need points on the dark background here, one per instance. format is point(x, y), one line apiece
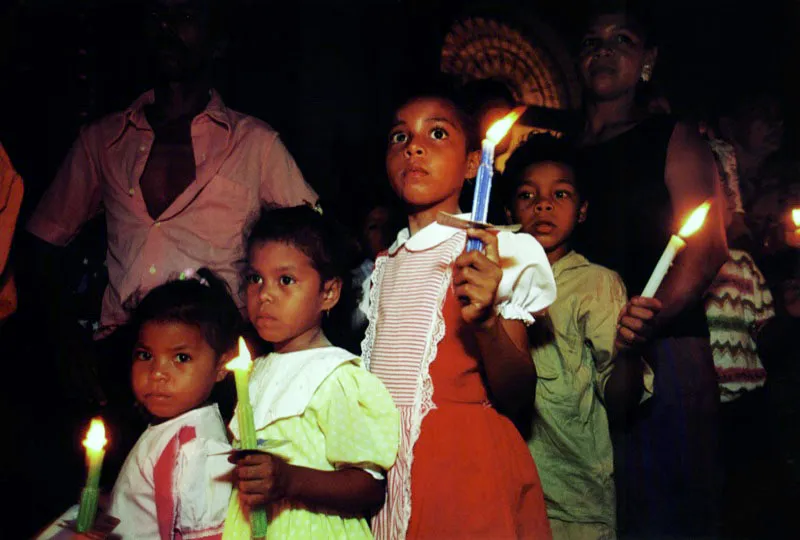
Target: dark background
point(321, 74)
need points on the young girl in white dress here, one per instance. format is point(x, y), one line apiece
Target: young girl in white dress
point(176, 482)
point(337, 423)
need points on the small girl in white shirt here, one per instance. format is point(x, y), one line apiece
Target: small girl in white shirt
point(176, 483)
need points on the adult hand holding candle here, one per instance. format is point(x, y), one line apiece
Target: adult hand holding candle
point(675, 246)
point(95, 443)
point(483, 183)
point(241, 367)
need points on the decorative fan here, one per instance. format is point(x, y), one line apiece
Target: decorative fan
point(481, 48)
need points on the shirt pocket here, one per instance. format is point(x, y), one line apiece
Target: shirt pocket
point(219, 213)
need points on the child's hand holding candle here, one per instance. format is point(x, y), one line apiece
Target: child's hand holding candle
point(675, 246)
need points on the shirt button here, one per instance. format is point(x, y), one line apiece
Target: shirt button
point(142, 148)
point(153, 269)
point(158, 224)
point(131, 192)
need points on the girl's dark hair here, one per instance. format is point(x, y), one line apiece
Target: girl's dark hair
point(446, 88)
point(324, 241)
point(537, 149)
point(202, 300)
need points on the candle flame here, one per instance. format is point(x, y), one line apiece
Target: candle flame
point(796, 216)
point(243, 361)
point(498, 130)
point(96, 436)
point(695, 221)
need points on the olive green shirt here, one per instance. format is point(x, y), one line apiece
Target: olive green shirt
point(573, 349)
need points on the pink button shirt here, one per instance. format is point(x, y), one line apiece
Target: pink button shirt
point(240, 162)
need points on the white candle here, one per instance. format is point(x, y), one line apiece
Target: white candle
point(675, 246)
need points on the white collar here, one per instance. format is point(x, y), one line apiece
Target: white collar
point(282, 385)
point(193, 414)
point(430, 236)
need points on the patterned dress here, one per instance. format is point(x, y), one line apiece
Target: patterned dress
point(326, 412)
point(463, 470)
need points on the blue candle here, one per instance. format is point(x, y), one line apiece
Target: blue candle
point(483, 183)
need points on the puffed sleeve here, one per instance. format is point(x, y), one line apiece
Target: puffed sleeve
point(527, 285)
point(358, 418)
point(203, 483)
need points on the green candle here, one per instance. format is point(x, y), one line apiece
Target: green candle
point(241, 366)
point(95, 443)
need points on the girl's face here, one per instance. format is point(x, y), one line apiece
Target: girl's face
point(174, 368)
point(427, 159)
point(285, 295)
point(612, 56)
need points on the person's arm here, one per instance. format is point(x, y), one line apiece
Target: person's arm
point(691, 178)
point(71, 200)
point(503, 343)
point(264, 478)
point(510, 373)
point(626, 385)
point(282, 183)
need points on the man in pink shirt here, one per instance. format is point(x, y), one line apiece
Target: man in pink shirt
point(179, 176)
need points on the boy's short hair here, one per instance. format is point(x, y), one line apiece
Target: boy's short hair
point(538, 149)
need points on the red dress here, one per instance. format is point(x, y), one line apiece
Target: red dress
point(463, 470)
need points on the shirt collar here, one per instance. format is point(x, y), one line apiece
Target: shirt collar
point(569, 261)
point(426, 238)
point(134, 114)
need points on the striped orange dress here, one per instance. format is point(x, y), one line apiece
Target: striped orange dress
point(463, 471)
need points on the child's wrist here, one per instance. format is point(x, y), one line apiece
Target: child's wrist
point(290, 488)
point(488, 325)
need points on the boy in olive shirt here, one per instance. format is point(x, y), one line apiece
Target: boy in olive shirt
point(583, 348)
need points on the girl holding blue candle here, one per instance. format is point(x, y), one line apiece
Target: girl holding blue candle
point(334, 424)
point(447, 335)
point(176, 479)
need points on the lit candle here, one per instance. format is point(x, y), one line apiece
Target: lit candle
point(675, 246)
point(95, 443)
point(793, 235)
point(483, 183)
point(241, 366)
